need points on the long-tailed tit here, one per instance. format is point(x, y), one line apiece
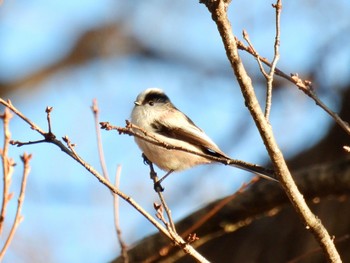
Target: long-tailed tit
point(155, 114)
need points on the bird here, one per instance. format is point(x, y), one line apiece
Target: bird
point(157, 116)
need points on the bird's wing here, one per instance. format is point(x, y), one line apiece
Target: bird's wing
point(178, 126)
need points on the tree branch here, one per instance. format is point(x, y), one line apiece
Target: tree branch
point(7, 164)
point(133, 130)
point(278, 7)
point(303, 85)
point(69, 150)
point(218, 10)
point(18, 218)
point(123, 246)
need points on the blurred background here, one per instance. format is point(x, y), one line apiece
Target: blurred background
point(66, 53)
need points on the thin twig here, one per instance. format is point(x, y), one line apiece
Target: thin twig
point(187, 248)
point(278, 7)
point(167, 211)
point(189, 233)
point(96, 111)
point(48, 117)
point(218, 207)
point(268, 76)
point(159, 189)
point(304, 85)
point(32, 125)
point(7, 164)
point(256, 54)
point(160, 215)
point(123, 246)
point(302, 258)
point(18, 218)
point(169, 232)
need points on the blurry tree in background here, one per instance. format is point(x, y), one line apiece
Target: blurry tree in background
point(257, 225)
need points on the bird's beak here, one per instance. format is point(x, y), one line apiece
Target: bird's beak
point(137, 103)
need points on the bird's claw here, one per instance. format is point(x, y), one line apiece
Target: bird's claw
point(145, 159)
point(158, 187)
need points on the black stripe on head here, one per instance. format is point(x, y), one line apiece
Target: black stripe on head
point(156, 96)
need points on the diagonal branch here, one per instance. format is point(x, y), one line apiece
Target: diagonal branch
point(49, 137)
point(304, 85)
point(133, 130)
point(218, 10)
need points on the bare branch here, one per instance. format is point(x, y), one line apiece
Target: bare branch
point(278, 7)
point(268, 76)
point(304, 85)
point(218, 10)
point(168, 212)
point(190, 234)
point(133, 130)
point(123, 246)
point(159, 189)
point(32, 125)
point(256, 54)
point(18, 218)
point(48, 117)
point(96, 111)
point(51, 138)
point(218, 207)
point(7, 165)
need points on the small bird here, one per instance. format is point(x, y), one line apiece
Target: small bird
point(155, 114)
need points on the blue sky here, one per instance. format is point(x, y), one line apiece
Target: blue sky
point(68, 215)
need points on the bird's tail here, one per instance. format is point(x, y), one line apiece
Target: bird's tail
point(255, 169)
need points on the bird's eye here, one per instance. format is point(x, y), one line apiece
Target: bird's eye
point(151, 103)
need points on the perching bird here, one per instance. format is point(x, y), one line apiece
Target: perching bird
point(155, 114)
